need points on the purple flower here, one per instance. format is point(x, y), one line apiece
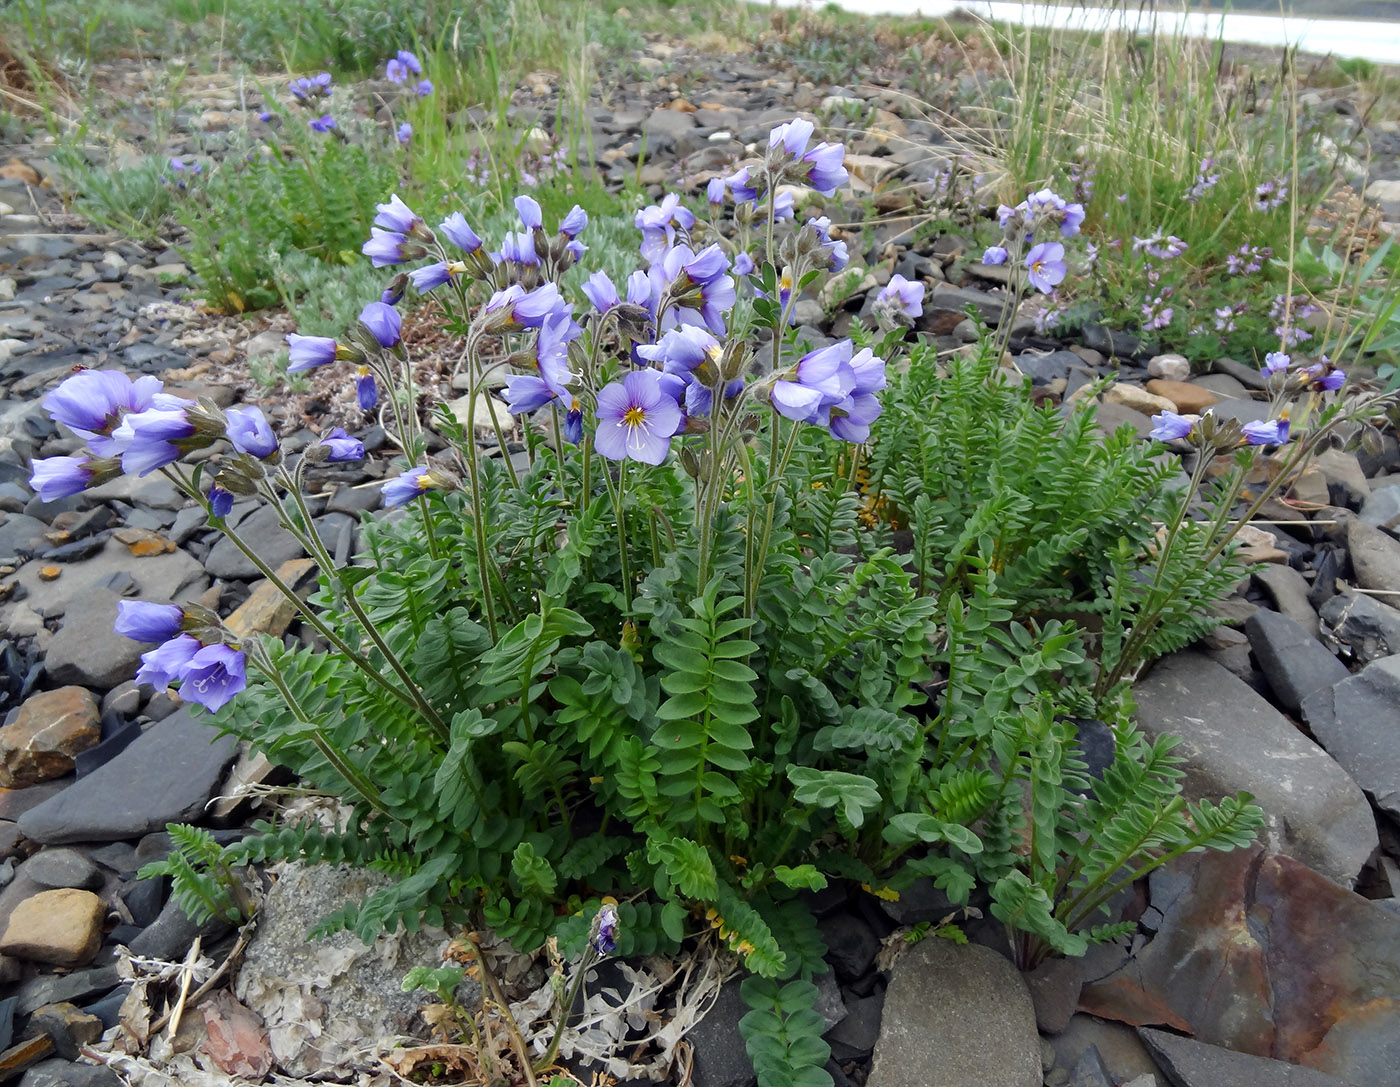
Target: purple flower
point(1045, 266)
point(405, 132)
point(395, 216)
point(793, 135)
point(406, 487)
point(162, 666)
point(1170, 426)
point(92, 403)
point(250, 432)
point(636, 419)
point(827, 171)
point(366, 391)
point(835, 254)
point(394, 71)
point(907, 295)
point(850, 417)
point(459, 234)
point(744, 265)
point(1073, 219)
point(142, 621)
point(601, 292)
point(386, 247)
point(528, 208)
point(323, 123)
point(1272, 432)
point(738, 183)
point(658, 226)
point(409, 61)
point(213, 676)
point(383, 322)
point(784, 204)
point(310, 86)
point(423, 88)
point(220, 502)
point(1276, 362)
point(59, 477)
point(704, 286)
point(527, 309)
point(525, 393)
point(307, 352)
point(682, 350)
point(264, 116)
point(150, 437)
point(820, 379)
point(606, 940)
point(518, 247)
point(714, 191)
point(431, 276)
point(342, 447)
point(1322, 378)
point(573, 224)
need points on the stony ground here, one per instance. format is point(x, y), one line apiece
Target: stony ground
point(1276, 965)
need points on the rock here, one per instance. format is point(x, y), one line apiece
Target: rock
point(1292, 660)
point(58, 868)
point(1137, 398)
point(236, 1038)
point(267, 611)
point(1169, 367)
point(1249, 376)
point(851, 946)
point(87, 650)
point(63, 928)
point(1189, 1063)
point(1259, 954)
point(51, 729)
point(166, 776)
point(1190, 399)
point(76, 987)
point(264, 535)
point(61, 1073)
point(1289, 591)
point(69, 1028)
point(956, 1016)
point(1233, 740)
point(1344, 475)
point(170, 935)
point(1361, 626)
point(1054, 987)
point(1089, 1071)
point(854, 1038)
point(1116, 1049)
point(1382, 508)
point(1375, 557)
point(321, 999)
point(720, 1057)
point(947, 305)
point(829, 1004)
point(1047, 366)
point(1356, 721)
point(162, 578)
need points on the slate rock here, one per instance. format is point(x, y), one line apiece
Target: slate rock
point(68, 1026)
point(321, 999)
point(956, 1016)
point(851, 945)
point(1357, 721)
point(1294, 662)
point(1189, 1063)
point(1054, 987)
point(1381, 508)
point(720, 1057)
point(1118, 1049)
point(1089, 1071)
point(1361, 626)
point(1375, 557)
point(62, 928)
point(61, 1073)
point(165, 776)
point(57, 868)
point(51, 729)
point(1046, 366)
point(21, 536)
point(86, 650)
point(1233, 740)
point(854, 1038)
point(1261, 955)
point(78, 986)
point(1289, 591)
point(169, 937)
point(268, 540)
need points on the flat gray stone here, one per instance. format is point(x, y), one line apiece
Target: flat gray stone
point(1294, 662)
point(63, 868)
point(1357, 721)
point(1289, 591)
point(1233, 740)
point(1360, 626)
point(1382, 508)
point(1189, 1063)
point(173, 576)
point(268, 539)
point(956, 1016)
point(86, 650)
point(166, 776)
point(1375, 557)
point(720, 1057)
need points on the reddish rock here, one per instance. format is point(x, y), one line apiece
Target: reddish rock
point(51, 728)
point(237, 1040)
point(1259, 954)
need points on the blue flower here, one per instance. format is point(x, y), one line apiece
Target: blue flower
point(459, 234)
point(573, 224)
point(431, 276)
point(738, 183)
point(142, 621)
point(423, 88)
point(220, 502)
point(1276, 362)
point(396, 216)
point(1271, 432)
point(213, 676)
point(343, 448)
point(410, 62)
point(162, 666)
point(658, 226)
point(307, 352)
point(408, 486)
point(820, 379)
point(1045, 266)
point(995, 254)
point(387, 247)
point(250, 432)
point(405, 132)
point(907, 295)
point(601, 292)
point(714, 191)
point(395, 72)
point(1171, 427)
point(92, 403)
point(150, 436)
point(366, 391)
point(59, 477)
point(323, 123)
point(383, 323)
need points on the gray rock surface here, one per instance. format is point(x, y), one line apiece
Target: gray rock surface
point(956, 1016)
point(1189, 1063)
point(63, 868)
point(1360, 625)
point(268, 539)
point(86, 650)
point(1294, 662)
point(1289, 591)
point(1375, 556)
point(720, 1057)
point(1233, 740)
point(329, 1003)
point(166, 776)
point(1358, 722)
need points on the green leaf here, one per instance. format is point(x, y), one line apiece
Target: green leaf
point(854, 793)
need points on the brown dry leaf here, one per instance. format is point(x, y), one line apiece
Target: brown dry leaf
point(458, 1061)
point(135, 1017)
point(237, 1041)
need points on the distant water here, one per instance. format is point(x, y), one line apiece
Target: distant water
point(1371, 40)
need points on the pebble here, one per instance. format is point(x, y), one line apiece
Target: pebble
point(59, 927)
point(52, 727)
point(1137, 399)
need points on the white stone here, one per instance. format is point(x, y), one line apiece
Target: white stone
point(1169, 367)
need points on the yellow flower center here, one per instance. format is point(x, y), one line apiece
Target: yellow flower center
point(634, 417)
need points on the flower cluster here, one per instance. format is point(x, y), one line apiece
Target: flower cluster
point(1205, 181)
point(1270, 195)
point(1040, 212)
point(191, 652)
point(1248, 259)
point(1207, 432)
